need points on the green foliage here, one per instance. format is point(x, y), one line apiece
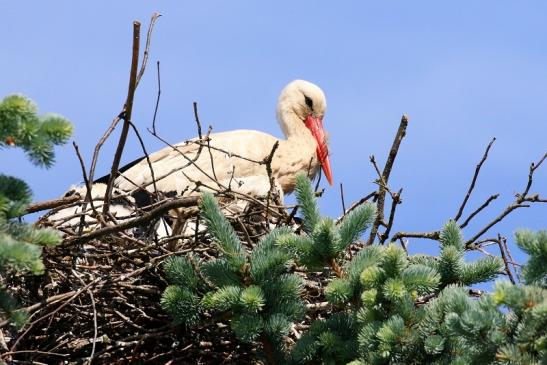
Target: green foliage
point(451, 263)
point(355, 224)
point(222, 231)
point(21, 244)
point(325, 241)
point(256, 291)
point(535, 245)
point(383, 286)
point(21, 126)
point(331, 340)
point(386, 307)
point(182, 304)
point(180, 272)
point(307, 202)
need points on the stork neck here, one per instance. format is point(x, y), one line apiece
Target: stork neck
point(292, 125)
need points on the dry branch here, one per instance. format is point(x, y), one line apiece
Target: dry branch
point(53, 203)
point(518, 203)
point(145, 218)
point(474, 180)
point(381, 195)
point(127, 113)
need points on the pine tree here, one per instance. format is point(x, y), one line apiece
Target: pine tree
point(258, 290)
point(535, 245)
point(387, 307)
point(21, 244)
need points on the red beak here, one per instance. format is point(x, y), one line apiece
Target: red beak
point(315, 125)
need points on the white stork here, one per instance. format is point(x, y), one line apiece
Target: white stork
point(232, 156)
point(231, 159)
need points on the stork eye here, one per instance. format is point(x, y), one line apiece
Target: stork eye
point(309, 102)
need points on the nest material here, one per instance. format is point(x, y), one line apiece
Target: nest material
point(101, 300)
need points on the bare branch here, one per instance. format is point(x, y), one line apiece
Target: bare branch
point(396, 200)
point(356, 204)
point(157, 99)
point(196, 117)
point(401, 132)
point(518, 203)
point(435, 235)
point(128, 109)
point(342, 199)
point(506, 248)
point(146, 155)
point(504, 258)
point(147, 217)
point(88, 196)
point(479, 209)
point(474, 180)
point(50, 204)
point(268, 163)
point(153, 20)
point(533, 168)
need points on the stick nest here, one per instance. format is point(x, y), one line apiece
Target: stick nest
point(100, 300)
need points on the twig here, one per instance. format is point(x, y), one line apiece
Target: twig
point(401, 132)
point(504, 258)
point(506, 248)
point(498, 219)
point(404, 245)
point(356, 204)
point(172, 204)
point(153, 20)
point(336, 268)
point(196, 117)
point(49, 353)
point(90, 360)
point(128, 109)
point(533, 168)
point(518, 203)
point(147, 156)
point(231, 154)
point(268, 163)
point(88, 196)
point(101, 142)
point(396, 200)
point(479, 209)
point(190, 161)
point(210, 153)
point(380, 180)
point(318, 179)
point(486, 242)
point(157, 99)
point(50, 204)
point(429, 235)
point(291, 215)
point(342, 199)
point(474, 180)
point(120, 116)
point(74, 296)
point(44, 303)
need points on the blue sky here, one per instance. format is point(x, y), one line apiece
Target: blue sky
point(464, 73)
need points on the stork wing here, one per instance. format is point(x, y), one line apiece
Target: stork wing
point(230, 156)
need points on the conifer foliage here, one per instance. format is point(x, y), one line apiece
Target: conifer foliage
point(20, 243)
point(386, 306)
point(258, 290)
point(21, 126)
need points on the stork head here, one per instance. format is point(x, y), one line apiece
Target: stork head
point(300, 111)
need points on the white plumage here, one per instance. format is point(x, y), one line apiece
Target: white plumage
point(229, 156)
point(231, 160)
